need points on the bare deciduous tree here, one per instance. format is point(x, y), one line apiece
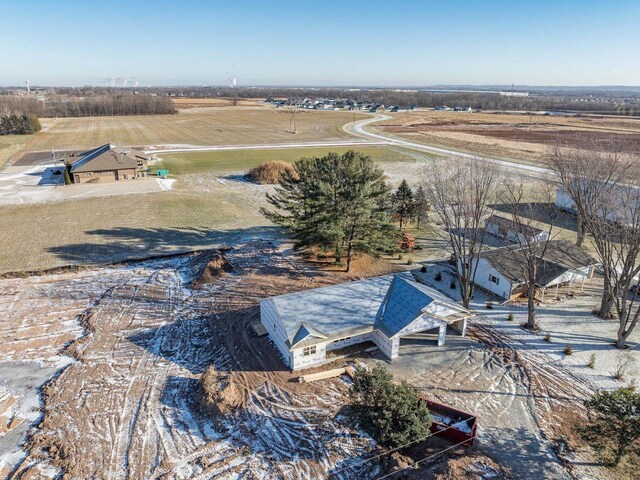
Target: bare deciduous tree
point(524, 206)
point(460, 194)
point(587, 177)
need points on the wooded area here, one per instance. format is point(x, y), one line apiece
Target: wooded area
point(100, 105)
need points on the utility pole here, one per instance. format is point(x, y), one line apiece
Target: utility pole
point(292, 120)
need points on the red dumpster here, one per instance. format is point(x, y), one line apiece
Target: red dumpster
point(453, 424)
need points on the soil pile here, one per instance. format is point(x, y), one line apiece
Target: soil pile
point(268, 173)
point(219, 395)
point(214, 268)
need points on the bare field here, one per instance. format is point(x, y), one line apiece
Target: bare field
point(509, 136)
point(197, 126)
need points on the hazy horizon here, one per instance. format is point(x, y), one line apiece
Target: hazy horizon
point(356, 44)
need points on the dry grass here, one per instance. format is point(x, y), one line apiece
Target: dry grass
point(269, 173)
point(510, 136)
point(197, 126)
point(10, 145)
point(185, 103)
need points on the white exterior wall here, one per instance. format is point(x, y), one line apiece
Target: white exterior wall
point(388, 346)
point(300, 361)
point(271, 321)
point(345, 342)
point(502, 289)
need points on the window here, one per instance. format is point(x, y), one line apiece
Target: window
point(493, 279)
point(306, 351)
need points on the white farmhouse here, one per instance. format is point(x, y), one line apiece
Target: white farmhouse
point(500, 272)
point(305, 325)
point(505, 230)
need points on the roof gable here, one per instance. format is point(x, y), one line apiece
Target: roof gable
point(305, 333)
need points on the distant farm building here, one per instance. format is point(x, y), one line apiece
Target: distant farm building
point(107, 164)
point(505, 230)
point(306, 325)
point(563, 263)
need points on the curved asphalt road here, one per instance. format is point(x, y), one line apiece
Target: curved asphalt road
point(358, 129)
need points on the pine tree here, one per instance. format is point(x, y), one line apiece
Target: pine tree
point(67, 175)
point(337, 203)
point(403, 202)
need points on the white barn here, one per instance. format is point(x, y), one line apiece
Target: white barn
point(305, 325)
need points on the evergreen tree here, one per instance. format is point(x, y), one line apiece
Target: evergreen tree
point(421, 205)
point(392, 413)
point(67, 174)
point(614, 423)
point(336, 202)
point(403, 202)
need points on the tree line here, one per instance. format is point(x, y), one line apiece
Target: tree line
point(13, 124)
point(100, 105)
point(621, 104)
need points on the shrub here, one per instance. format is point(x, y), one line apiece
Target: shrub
point(452, 285)
point(613, 428)
point(409, 261)
point(568, 350)
point(438, 276)
point(423, 269)
point(400, 256)
point(392, 413)
point(510, 317)
point(547, 338)
point(268, 173)
point(592, 361)
point(489, 305)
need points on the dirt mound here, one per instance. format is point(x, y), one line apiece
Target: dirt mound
point(215, 267)
point(270, 172)
point(219, 395)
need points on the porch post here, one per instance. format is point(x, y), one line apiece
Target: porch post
point(442, 333)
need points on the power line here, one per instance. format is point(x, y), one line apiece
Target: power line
point(433, 455)
point(362, 462)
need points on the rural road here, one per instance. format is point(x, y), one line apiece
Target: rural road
point(358, 129)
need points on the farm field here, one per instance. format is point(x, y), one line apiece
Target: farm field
point(516, 137)
point(197, 126)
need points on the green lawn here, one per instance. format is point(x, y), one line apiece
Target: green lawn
point(221, 162)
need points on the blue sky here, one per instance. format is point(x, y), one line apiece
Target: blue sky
point(305, 42)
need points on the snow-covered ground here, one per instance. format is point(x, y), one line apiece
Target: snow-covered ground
point(566, 321)
point(39, 184)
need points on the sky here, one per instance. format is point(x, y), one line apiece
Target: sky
point(320, 43)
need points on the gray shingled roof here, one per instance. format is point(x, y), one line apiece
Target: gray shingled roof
point(388, 303)
point(106, 157)
point(560, 256)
